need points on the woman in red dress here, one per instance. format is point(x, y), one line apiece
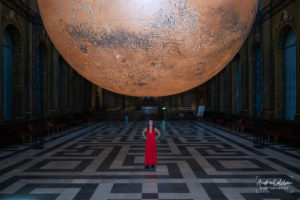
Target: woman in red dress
point(150, 151)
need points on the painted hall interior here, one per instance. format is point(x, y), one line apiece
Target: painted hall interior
point(263, 78)
point(64, 138)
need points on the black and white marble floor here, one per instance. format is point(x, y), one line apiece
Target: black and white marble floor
point(105, 161)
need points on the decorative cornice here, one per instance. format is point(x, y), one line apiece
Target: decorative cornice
point(22, 9)
point(285, 18)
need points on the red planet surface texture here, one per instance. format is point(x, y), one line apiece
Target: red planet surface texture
point(148, 47)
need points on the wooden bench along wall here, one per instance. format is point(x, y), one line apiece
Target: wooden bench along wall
point(22, 131)
point(273, 130)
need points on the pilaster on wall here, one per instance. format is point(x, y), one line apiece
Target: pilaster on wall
point(251, 96)
point(218, 93)
point(268, 63)
point(1, 109)
point(30, 77)
point(245, 77)
point(251, 77)
point(298, 60)
point(94, 97)
point(228, 89)
point(234, 84)
point(55, 76)
point(179, 100)
point(213, 97)
point(119, 100)
point(100, 96)
point(222, 88)
point(204, 98)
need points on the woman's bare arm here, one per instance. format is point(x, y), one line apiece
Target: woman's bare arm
point(143, 133)
point(158, 132)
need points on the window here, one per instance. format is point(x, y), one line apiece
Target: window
point(13, 99)
point(290, 75)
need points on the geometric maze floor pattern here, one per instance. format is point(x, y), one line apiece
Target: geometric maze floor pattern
point(105, 161)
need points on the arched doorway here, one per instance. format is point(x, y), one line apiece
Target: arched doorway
point(12, 74)
point(290, 74)
point(285, 74)
point(7, 63)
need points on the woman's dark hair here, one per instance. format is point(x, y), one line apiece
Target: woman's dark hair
point(152, 124)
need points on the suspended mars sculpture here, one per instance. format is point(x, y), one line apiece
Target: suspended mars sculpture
point(148, 47)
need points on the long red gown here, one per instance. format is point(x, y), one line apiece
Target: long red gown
point(150, 151)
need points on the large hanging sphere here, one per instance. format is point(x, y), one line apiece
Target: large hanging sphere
point(148, 47)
